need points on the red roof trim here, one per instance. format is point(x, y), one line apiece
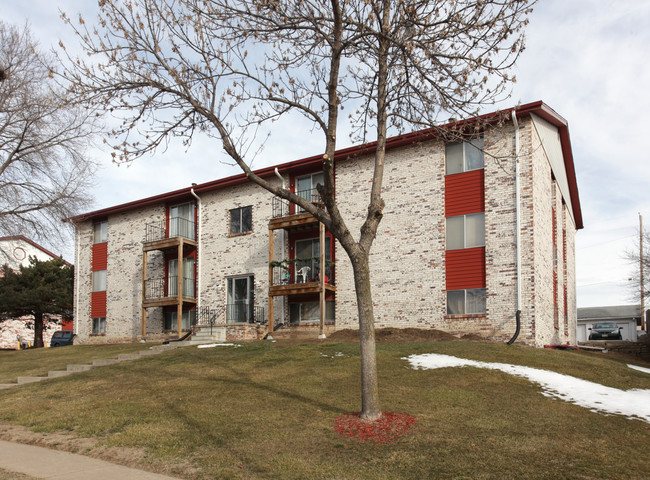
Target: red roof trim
point(314, 162)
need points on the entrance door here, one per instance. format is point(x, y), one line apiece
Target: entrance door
point(239, 308)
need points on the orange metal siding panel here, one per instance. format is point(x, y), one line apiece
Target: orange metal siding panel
point(465, 268)
point(98, 304)
point(100, 256)
point(464, 193)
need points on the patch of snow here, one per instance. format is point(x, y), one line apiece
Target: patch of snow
point(337, 354)
point(640, 369)
point(212, 345)
point(598, 398)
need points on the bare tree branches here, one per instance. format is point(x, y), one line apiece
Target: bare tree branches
point(44, 174)
point(226, 67)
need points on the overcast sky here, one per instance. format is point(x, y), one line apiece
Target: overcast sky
point(587, 59)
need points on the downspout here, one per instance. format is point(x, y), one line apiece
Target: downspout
point(282, 238)
point(75, 314)
point(517, 231)
point(198, 283)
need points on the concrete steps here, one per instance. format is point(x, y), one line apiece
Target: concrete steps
point(76, 368)
point(206, 335)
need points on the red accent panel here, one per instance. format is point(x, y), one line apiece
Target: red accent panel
point(464, 193)
point(98, 304)
point(100, 256)
point(465, 268)
point(66, 324)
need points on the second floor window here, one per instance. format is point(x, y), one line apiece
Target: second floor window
point(464, 156)
point(100, 232)
point(99, 281)
point(241, 220)
point(466, 231)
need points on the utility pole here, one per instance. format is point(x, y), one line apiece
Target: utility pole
point(643, 321)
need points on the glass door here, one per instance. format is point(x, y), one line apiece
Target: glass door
point(239, 307)
point(181, 221)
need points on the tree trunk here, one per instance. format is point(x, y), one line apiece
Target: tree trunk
point(370, 409)
point(38, 329)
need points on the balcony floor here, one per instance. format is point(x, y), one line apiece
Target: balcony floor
point(298, 289)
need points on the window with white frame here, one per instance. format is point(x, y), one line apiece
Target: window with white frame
point(306, 186)
point(464, 156)
point(240, 299)
point(241, 220)
point(181, 221)
point(466, 302)
point(99, 281)
point(100, 232)
point(188, 277)
point(188, 319)
point(99, 325)
point(466, 231)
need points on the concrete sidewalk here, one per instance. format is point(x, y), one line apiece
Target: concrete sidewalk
point(42, 462)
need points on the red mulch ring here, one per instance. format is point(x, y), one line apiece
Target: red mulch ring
point(385, 430)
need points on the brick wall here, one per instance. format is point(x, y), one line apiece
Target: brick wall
point(407, 260)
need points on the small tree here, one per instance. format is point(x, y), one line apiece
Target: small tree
point(229, 67)
point(39, 289)
point(44, 173)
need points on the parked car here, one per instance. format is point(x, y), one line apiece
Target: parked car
point(605, 331)
point(62, 338)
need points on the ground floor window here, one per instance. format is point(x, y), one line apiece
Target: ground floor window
point(99, 325)
point(309, 312)
point(189, 317)
point(465, 302)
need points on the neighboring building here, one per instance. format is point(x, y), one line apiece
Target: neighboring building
point(445, 256)
point(15, 251)
point(628, 317)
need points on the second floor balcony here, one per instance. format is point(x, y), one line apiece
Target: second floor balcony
point(164, 291)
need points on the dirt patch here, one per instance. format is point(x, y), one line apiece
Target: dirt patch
point(399, 335)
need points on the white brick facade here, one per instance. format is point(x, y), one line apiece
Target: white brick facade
point(407, 261)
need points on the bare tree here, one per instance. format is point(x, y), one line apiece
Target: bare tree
point(44, 175)
point(639, 262)
point(228, 67)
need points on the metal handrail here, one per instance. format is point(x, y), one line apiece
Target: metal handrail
point(282, 207)
point(301, 272)
point(164, 287)
point(178, 227)
point(245, 313)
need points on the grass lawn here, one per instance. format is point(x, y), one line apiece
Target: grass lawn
point(258, 411)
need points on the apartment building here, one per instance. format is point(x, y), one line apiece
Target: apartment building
point(478, 236)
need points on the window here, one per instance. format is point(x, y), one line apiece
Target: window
point(188, 277)
point(466, 231)
point(309, 312)
point(181, 221)
point(99, 281)
point(464, 156)
point(240, 300)
point(100, 232)
point(189, 319)
point(308, 260)
point(99, 325)
point(241, 220)
point(464, 302)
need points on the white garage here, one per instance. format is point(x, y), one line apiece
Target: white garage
point(628, 317)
